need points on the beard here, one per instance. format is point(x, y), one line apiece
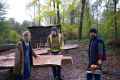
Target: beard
point(92, 36)
point(26, 39)
point(54, 35)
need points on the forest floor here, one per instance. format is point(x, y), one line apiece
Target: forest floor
point(76, 71)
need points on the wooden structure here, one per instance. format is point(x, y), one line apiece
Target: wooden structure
point(41, 60)
point(39, 35)
point(39, 38)
point(7, 61)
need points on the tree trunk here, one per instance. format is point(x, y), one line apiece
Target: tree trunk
point(72, 17)
point(55, 10)
point(81, 19)
point(115, 20)
point(58, 17)
point(58, 14)
point(39, 11)
point(34, 16)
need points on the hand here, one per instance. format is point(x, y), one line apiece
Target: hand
point(61, 52)
point(93, 66)
point(49, 52)
point(35, 56)
point(99, 62)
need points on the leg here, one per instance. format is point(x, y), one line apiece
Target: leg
point(18, 77)
point(27, 72)
point(58, 72)
point(89, 76)
point(54, 71)
point(97, 76)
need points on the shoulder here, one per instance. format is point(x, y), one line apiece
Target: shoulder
point(60, 35)
point(49, 36)
point(100, 40)
point(19, 44)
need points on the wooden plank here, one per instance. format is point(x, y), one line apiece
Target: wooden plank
point(48, 60)
point(70, 46)
point(41, 51)
point(42, 60)
point(67, 60)
point(7, 63)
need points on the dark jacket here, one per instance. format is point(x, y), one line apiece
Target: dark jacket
point(19, 57)
point(96, 50)
point(30, 50)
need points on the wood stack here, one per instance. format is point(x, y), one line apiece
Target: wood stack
point(41, 60)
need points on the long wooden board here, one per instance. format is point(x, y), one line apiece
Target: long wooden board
point(48, 60)
point(7, 61)
point(41, 60)
point(41, 51)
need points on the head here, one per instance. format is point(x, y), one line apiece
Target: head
point(93, 33)
point(54, 31)
point(26, 36)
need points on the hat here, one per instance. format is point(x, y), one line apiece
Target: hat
point(93, 30)
point(54, 29)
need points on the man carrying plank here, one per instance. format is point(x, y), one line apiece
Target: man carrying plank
point(56, 43)
point(96, 56)
point(23, 57)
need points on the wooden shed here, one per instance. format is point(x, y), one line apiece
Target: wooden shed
point(39, 35)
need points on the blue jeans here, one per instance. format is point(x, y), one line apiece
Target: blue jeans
point(91, 76)
point(18, 77)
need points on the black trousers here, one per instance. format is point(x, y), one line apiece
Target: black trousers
point(56, 71)
point(91, 76)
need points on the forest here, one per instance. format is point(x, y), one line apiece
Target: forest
point(75, 16)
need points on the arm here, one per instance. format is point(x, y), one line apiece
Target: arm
point(18, 57)
point(49, 44)
point(19, 52)
point(101, 52)
point(33, 53)
point(62, 45)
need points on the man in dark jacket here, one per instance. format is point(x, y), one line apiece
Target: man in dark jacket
point(96, 54)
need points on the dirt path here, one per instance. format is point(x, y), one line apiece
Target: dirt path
point(69, 72)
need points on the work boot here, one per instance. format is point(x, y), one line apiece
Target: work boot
point(60, 79)
point(57, 78)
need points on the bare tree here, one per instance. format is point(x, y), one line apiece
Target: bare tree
point(81, 19)
point(115, 19)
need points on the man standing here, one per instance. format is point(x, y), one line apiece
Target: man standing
point(96, 56)
point(55, 43)
point(23, 57)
